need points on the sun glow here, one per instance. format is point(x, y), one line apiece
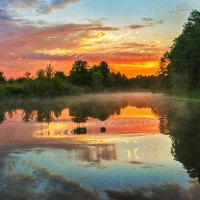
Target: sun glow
point(134, 69)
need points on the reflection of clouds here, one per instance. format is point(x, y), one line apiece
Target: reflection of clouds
point(158, 192)
point(81, 151)
point(95, 154)
point(41, 185)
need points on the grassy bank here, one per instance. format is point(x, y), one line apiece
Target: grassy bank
point(40, 88)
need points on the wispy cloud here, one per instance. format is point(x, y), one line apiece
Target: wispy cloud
point(40, 6)
point(146, 19)
point(152, 22)
point(21, 40)
point(95, 21)
point(147, 22)
point(137, 26)
point(181, 8)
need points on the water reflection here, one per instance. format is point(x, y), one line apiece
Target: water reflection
point(96, 153)
point(184, 126)
point(79, 110)
point(92, 114)
point(105, 142)
point(160, 192)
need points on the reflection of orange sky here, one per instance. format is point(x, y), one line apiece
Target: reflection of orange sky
point(134, 112)
point(132, 120)
point(127, 112)
point(132, 124)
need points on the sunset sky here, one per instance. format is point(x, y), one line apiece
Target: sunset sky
point(130, 35)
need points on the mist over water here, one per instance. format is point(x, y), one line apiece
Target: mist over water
point(103, 146)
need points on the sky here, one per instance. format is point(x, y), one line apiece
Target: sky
point(131, 35)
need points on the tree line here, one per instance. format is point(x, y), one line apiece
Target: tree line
point(49, 82)
point(178, 73)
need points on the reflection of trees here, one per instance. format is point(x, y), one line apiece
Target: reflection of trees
point(27, 115)
point(44, 116)
point(80, 130)
point(178, 119)
point(163, 126)
point(183, 122)
point(100, 107)
point(46, 112)
point(81, 111)
point(160, 110)
point(185, 134)
point(103, 129)
point(2, 116)
point(94, 109)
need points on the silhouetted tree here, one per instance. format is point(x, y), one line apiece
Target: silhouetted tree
point(163, 65)
point(2, 77)
point(49, 72)
point(105, 72)
point(40, 74)
point(27, 75)
point(80, 73)
point(104, 68)
point(61, 75)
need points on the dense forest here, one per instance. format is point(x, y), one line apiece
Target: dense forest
point(178, 73)
point(181, 65)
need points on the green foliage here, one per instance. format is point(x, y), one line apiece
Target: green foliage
point(96, 79)
point(40, 74)
point(80, 73)
point(184, 70)
point(47, 83)
point(109, 81)
point(152, 83)
point(60, 75)
point(2, 77)
point(104, 68)
point(163, 65)
point(121, 80)
point(2, 90)
point(27, 75)
point(53, 87)
point(47, 73)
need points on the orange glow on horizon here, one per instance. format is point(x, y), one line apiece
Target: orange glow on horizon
point(129, 69)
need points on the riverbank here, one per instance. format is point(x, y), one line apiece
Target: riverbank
point(192, 96)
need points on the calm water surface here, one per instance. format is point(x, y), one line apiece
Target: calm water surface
point(106, 146)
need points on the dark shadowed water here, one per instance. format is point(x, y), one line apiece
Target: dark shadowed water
point(107, 146)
